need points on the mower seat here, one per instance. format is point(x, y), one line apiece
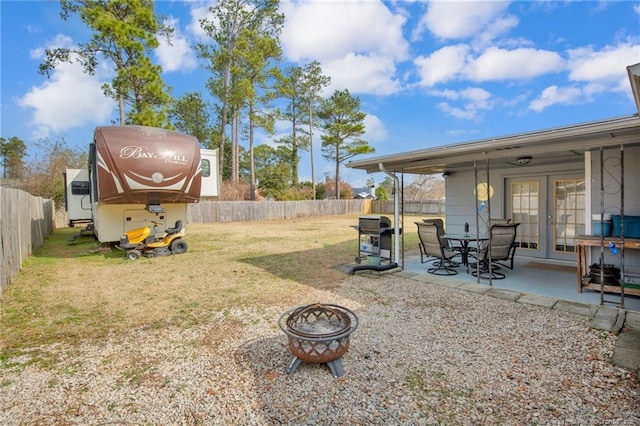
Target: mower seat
point(176, 228)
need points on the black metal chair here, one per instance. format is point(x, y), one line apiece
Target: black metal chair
point(432, 249)
point(498, 251)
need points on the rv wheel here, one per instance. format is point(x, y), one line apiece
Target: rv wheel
point(178, 246)
point(133, 254)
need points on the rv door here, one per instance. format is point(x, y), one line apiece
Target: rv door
point(210, 172)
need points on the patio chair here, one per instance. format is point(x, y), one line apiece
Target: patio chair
point(432, 249)
point(499, 251)
point(444, 241)
point(496, 220)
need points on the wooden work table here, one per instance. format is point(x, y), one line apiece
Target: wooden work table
point(582, 242)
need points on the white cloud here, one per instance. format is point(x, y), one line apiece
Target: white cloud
point(70, 98)
point(608, 64)
point(442, 65)
point(475, 94)
point(176, 55)
point(198, 12)
point(362, 74)
point(59, 41)
point(496, 64)
point(326, 30)
point(374, 129)
point(358, 43)
point(456, 63)
point(598, 72)
point(456, 20)
point(554, 95)
point(474, 100)
point(462, 113)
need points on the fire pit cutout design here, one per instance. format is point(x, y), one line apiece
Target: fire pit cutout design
point(318, 333)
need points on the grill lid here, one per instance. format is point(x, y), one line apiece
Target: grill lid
point(373, 223)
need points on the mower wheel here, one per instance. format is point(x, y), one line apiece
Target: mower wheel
point(179, 246)
point(134, 254)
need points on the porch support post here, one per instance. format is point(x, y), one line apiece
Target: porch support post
point(396, 214)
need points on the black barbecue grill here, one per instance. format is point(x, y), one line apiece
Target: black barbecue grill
point(374, 237)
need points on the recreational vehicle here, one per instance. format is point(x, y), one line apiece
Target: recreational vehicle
point(138, 176)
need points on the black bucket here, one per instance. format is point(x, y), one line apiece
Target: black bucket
point(610, 274)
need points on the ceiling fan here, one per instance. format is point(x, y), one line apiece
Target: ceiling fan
point(521, 161)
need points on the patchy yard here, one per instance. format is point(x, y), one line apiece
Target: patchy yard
point(90, 338)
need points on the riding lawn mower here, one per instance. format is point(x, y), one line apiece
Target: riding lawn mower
point(143, 242)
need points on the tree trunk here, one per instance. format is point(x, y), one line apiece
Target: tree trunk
point(251, 161)
point(337, 175)
point(313, 173)
point(235, 156)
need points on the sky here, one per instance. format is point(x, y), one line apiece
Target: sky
point(426, 73)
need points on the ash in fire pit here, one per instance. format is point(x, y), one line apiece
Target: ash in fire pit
point(318, 333)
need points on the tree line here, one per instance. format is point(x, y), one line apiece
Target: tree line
point(249, 89)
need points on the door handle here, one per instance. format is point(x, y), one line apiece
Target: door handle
point(550, 220)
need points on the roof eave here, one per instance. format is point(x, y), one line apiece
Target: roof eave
point(582, 136)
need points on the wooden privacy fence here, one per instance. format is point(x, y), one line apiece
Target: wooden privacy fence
point(246, 211)
point(419, 208)
point(25, 221)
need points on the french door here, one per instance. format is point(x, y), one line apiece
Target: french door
point(550, 210)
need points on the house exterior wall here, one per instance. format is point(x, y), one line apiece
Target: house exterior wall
point(459, 187)
point(611, 171)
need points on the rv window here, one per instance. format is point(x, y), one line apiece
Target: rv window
point(80, 188)
point(206, 168)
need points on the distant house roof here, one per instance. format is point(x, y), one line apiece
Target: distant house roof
point(363, 194)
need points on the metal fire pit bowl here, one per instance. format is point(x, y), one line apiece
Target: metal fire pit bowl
point(318, 333)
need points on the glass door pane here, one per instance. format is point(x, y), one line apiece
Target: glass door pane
point(525, 210)
point(569, 210)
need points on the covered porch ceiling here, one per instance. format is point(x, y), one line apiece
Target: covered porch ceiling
point(561, 145)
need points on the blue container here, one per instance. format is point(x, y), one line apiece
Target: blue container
point(631, 226)
point(601, 228)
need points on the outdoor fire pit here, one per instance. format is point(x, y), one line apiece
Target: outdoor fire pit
point(318, 333)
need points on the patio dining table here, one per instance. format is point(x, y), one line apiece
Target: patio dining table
point(465, 244)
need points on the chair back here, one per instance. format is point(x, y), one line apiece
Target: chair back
point(502, 237)
point(438, 222)
point(440, 225)
point(430, 239)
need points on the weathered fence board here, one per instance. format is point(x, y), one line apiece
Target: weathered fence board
point(425, 208)
point(25, 221)
point(245, 211)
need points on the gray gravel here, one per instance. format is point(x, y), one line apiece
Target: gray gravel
point(423, 354)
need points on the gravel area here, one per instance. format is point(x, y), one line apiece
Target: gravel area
point(423, 354)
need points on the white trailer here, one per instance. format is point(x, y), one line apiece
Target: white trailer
point(77, 196)
point(210, 187)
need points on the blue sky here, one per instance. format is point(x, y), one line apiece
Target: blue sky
point(426, 73)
